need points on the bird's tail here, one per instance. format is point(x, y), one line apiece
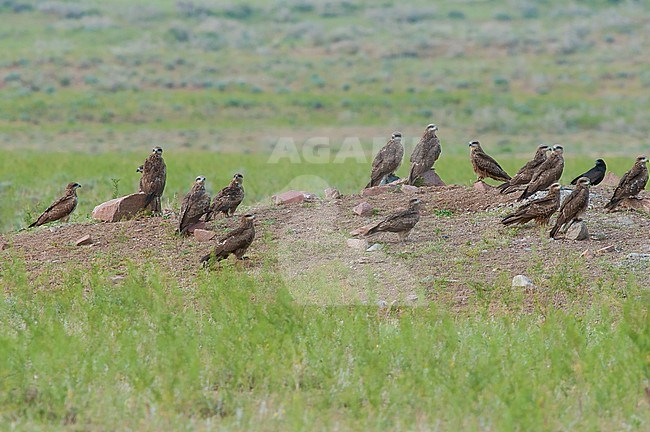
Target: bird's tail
point(147, 201)
point(412, 177)
point(612, 204)
point(555, 229)
point(33, 225)
point(511, 219)
point(525, 194)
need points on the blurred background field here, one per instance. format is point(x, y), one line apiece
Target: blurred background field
point(87, 88)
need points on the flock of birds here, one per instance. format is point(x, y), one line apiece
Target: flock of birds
point(540, 173)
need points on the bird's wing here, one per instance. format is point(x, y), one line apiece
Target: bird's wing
point(59, 209)
point(487, 164)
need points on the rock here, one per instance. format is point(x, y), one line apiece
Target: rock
point(197, 226)
point(204, 235)
point(117, 279)
point(482, 186)
point(638, 256)
point(382, 303)
point(293, 196)
point(119, 209)
point(331, 193)
point(431, 178)
point(409, 188)
point(587, 254)
point(378, 190)
point(610, 179)
point(635, 204)
point(520, 281)
point(375, 247)
point(85, 240)
point(358, 244)
point(606, 249)
point(412, 297)
point(363, 209)
point(577, 231)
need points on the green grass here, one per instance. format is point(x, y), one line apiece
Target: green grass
point(30, 181)
point(235, 352)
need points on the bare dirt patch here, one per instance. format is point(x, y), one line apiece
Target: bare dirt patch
point(457, 253)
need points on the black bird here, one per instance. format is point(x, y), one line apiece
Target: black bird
point(595, 175)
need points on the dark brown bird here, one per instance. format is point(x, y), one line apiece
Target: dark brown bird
point(631, 184)
point(401, 222)
point(595, 175)
point(573, 207)
point(526, 172)
point(61, 208)
point(387, 160)
point(547, 173)
point(540, 209)
point(152, 182)
point(425, 154)
point(228, 198)
point(235, 242)
point(484, 165)
point(195, 204)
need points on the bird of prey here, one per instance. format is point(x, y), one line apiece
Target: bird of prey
point(631, 183)
point(61, 208)
point(547, 173)
point(484, 165)
point(228, 198)
point(154, 176)
point(387, 160)
point(401, 222)
point(595, 175)
point(425, 154)
point(195, 204)
point(540, 209)
point(235, 242)
point(525, 173)
point(573, 206)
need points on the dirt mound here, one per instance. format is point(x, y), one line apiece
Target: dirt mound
point(457, 251)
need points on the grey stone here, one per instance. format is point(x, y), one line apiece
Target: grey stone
point(520, 281)
point(375, 247)
point(85, 240)
point(577, 231)
point(363, 209)
point(358, 244)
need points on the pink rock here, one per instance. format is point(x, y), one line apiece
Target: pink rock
point(377, 190)
point(610, 179)
point(431, 178)
point(203, 235)
point(199, 225)
point(331, 193)
point(635, 204)
point(119, 209)
point(410, 188)
point(482, 186)
point(363, 209)
point(289, 197)
point(85, 240)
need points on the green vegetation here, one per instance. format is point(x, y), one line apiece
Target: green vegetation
point(87, 88)
point(236, 352)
